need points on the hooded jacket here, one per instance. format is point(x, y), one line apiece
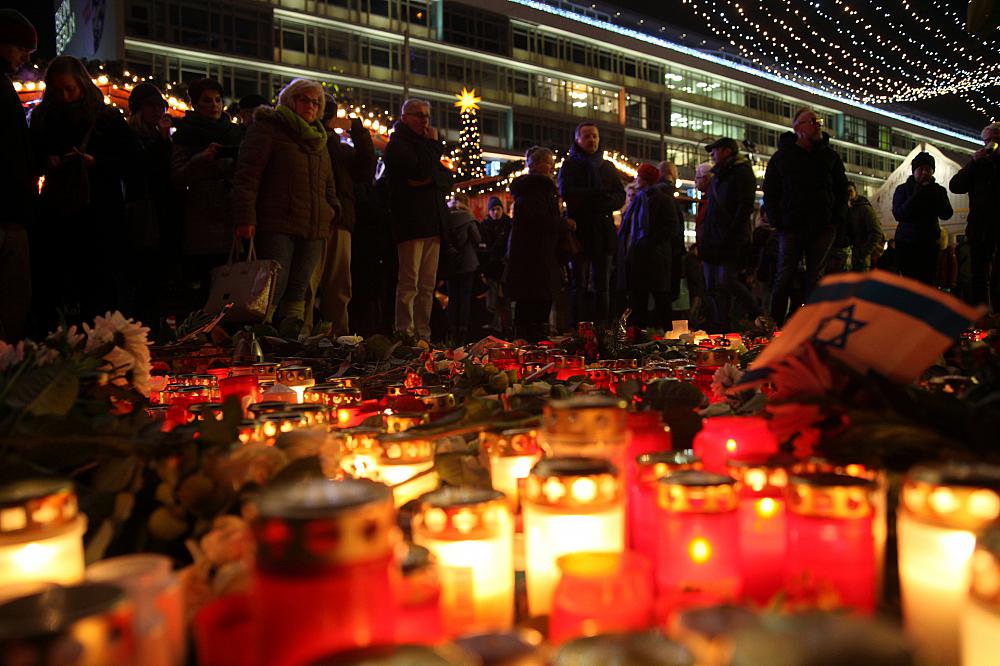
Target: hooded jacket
point(418, 211)
point(805, 190)
point(282, 184)
point(724, 236)
point(918, 208)
point(980, 179)
point(593, 191)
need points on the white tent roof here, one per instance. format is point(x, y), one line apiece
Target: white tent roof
point(944, 169)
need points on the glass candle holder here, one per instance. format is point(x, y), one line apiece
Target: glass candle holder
point(698, 557)
point(437, 402)
point(512, 454)
point(588, 426)
point(313, 414)
point(325, 576)
point(599, 377)
point(244, 388)
point(601, 593)
point(642, 495)
point(722, 438)
point(505, 358)
point(406, 464)
point(248, 431)
point(41, 533)
point(980, 624)
point(206, 411)
point(272, 425)
point(569, 366)
point(708, 360)
point(420, 621)
point(586, 330)
point(197, 380)
point(762, 524)
point(156, 597)
point(296, 377)
point(470, 533)
point(266, 371)
point(570, 505)
point(653, 373)
point(645, 432)
point(359, 451)
point(402, 421)
point(941, 509)
point(89, 623)
point(830, 551)
point(619, 377)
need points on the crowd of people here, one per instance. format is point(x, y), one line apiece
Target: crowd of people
point(133, 212)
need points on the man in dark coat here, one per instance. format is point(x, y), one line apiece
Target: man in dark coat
point(17, 187)
point(805, 196)
point(418, 184)
point(668, 185)
point(865, 230)
point(649, 232)
point(724, 237)
point(917, 205)
point(980, 179)
point(593, 191)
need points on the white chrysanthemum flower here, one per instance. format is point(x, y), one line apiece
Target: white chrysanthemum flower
point(131, 351)
point(10, 355)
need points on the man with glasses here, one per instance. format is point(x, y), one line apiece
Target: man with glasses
point(980, 179)
point(418, 186)
point(805, 198)
point(17, 188)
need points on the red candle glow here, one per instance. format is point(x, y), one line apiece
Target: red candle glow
point(723, 438)
point(325, 572)
point(244, 388)
point(698, 559)
point(569, 366)
point(505, 358)
point(642, 503)
point(831, 553)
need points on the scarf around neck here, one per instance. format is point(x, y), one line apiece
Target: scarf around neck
point(312, 135)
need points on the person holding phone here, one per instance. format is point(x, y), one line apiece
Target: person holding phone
point(83, 147)
point(204, 160)
point(917, 205)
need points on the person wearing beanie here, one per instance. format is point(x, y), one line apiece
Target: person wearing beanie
point(248, 105)
point(495, 232)
point(725, 237)
point(17, 188)
point(917, 205)
point(84, 149)
point(649, 232)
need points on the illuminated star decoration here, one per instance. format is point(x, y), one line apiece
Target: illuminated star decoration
point(833, 331)
point(467, 100)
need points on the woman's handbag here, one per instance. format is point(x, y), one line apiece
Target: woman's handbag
point(249, 285)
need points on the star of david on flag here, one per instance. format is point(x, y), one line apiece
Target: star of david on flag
point(871, 321)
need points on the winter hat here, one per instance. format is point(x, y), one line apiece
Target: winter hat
point(252, 102)
point(494, 201)
point(648, 173)
point(17, 30)
point(144, 93)
point(922, 159)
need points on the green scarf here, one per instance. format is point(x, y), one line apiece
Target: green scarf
point(313, 134)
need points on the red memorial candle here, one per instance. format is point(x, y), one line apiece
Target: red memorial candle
point(722, 438)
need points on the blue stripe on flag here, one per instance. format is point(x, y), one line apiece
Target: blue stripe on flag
point(935, 314)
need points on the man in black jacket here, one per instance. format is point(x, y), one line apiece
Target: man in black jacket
point(17, 181)
point(418, 184)
point(724, 237)
point(593, 191)
point(980, 179)
point(805, 196)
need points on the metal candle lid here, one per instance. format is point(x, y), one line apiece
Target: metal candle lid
point(826, 495)
point(954, 495)
point(405, 449)
point(574, 482)
point(458, 513)
point(403, 421)
point(295, 375)
point(507, 443)
point(35, 505)
point(315, 524)
point(695, 491)
point(584, 420)
point(653, 466)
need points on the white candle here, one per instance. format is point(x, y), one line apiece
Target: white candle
point(981, 615)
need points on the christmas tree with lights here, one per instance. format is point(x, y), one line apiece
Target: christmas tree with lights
point(469, 161)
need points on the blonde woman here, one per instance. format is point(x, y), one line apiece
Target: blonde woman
point(283, 191)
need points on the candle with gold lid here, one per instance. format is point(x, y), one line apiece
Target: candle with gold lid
point(406, 464)
point(437, 401)
point(395, 421)
point(512, 454)
point(296, 377)
point(567, 367)
point(570, 504)
point(590, 426)
point(505, 358)
point(980, 623)
point(723, 438)
point(41, 533)
point(206, 411)
point(266, 371)
point(313, 414)
point(269, 407)
point(642, 504)
point(941, 510)
point(323, 547)
point(698, 557)
point(271, 425)
point(830, 556)
point(470, 533)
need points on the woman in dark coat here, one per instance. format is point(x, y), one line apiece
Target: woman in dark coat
point(83, 146)
point(649, 231)
point(917, 205)
point(532, 275)
point(462, 232)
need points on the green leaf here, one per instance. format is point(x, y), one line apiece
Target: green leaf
point(114, 474)
point(460, 469)
point(51, 390)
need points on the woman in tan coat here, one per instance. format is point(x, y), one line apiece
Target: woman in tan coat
point(284, 192)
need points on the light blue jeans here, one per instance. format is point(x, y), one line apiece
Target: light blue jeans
point(299, 258)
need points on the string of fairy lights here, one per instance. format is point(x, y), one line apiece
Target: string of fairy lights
point(873, 56)
point(622, 163)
